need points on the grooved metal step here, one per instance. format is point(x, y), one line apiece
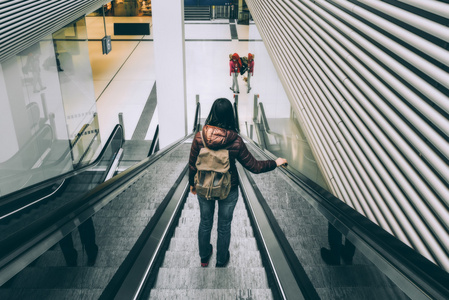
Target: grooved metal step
point(182, 277)
point(203, 294)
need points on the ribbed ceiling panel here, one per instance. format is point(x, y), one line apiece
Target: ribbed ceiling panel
point(23, 23)
point(369, 81)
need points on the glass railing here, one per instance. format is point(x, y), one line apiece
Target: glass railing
point(278, 130)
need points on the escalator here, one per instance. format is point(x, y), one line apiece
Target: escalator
point(298, 212)
point(146, 230)
point(284, 265)
point(164, 261)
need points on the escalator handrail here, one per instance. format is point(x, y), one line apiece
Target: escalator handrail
point(428, 277)
point(197, 121)
point(155, 142)
point(80, 163)
point(236, 114)
point(7, 200)
point(80, 134)
point(263, 118)
point(291, 268)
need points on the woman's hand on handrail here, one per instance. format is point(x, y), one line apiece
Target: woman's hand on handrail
point(281, 162)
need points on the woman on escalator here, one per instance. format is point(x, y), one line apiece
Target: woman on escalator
point(218, 133)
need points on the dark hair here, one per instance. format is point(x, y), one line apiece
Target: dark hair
point(222, 115)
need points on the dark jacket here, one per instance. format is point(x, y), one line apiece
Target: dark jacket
point(219, 138)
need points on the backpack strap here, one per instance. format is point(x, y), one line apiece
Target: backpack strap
point(209, 190)
point(202, 138)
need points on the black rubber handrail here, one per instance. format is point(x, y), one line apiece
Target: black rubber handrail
point(414, 273)
point(197, 121)
point(155, 142)
point(236, 114)
point(16, 199)
point(303, 283)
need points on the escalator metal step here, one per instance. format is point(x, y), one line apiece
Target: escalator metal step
point(223, 294)
point(181, 274)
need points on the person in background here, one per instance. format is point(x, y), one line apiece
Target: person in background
point(234, 66)
point(220, 132)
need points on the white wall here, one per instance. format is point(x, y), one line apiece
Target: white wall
point(169, 54)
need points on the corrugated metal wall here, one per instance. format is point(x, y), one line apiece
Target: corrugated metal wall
point(25, 22)
point(370, 82)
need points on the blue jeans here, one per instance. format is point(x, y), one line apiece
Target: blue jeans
point(225, 213)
